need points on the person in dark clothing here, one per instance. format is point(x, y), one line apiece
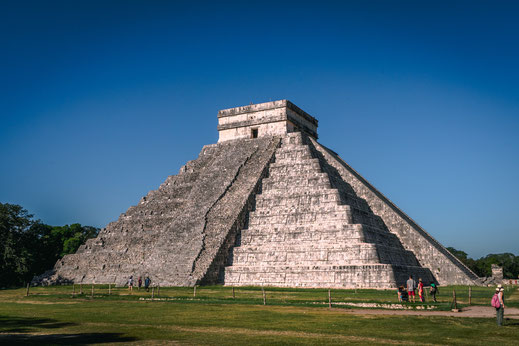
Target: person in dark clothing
point(140, 282)
point(147, 283)
point(433, 291)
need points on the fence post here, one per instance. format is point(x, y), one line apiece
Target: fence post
point(233, 295)
point(153, 292)
point(27, 292)
point(454, 305)
point(158, 290)
point(264, 296)
point(92, 292)
point(81, 288)
point(109, 289)
point(329, 298)
point(73, 289)
point(470, 295)
point(194, 291)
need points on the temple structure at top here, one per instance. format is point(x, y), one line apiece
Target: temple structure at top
point(276, 118)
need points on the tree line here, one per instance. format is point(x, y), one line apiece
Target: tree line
point(29, 247)
point(482, 266)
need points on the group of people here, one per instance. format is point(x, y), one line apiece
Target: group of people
point(147, 282)
point(407, 293)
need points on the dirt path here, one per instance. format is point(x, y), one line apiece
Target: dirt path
point(471, 311)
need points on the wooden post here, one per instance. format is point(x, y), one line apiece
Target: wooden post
point(109, 289)
point(81, 288)
point(233, 295)
point(329, 298)
point(27, 292)
point(153, 292)
point(454, 305)
point(158, 290)
point(264, 296)
point(194, 291)
point(92, 292)
point(470, 295)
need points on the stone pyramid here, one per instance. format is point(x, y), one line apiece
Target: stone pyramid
point(266, 205)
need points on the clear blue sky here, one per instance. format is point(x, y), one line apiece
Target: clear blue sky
point(102, 100)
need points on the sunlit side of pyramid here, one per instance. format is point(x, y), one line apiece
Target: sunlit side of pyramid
point(266, 205)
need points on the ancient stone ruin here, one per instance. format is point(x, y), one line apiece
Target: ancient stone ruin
point(266, 205)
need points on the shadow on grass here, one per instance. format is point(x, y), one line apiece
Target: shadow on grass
point(64, 339)
point(27, 324)
point(18, 330)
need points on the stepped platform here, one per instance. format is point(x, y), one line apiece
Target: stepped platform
point(266, 205)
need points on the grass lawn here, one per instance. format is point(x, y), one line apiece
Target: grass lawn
point(52, 315)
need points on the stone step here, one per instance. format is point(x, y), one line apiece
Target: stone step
point(295, 168)
point(295, 179)
point(341, 216)
point(321, 253)
point(348, 276)
point(289, 148)
point(291, 173)
point(320, 197)
point(318, 181)
point(324, 208)
point(296, 191)
point(322, 225)
point(358, 234)
point(292, 156)
point(295, 138)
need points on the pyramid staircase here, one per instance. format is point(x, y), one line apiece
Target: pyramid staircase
point(309, 229)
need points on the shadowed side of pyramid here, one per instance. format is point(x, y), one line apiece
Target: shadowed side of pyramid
point(177, 233)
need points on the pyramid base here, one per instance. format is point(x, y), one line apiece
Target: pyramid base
point(377, 276)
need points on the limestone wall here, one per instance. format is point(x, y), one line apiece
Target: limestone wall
point(446, 268)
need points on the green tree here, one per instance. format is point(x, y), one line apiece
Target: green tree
point(14, 256)
point(483, 266)
point(29, 247)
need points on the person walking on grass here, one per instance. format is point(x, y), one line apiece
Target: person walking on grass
point(147, 283)
point(130, 283)
point(411, 286)
point(420, 290)
point(433, 291)
point(140, 282)
point(498, 302)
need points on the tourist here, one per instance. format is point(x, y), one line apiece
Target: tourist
point(400, 293)
point(433, 291)
point(411, 286)
point(140, 282)
point(420, 290)
point(130, 283)
point(147, 283)
point(500, 311)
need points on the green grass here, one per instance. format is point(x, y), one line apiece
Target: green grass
point(52, 315)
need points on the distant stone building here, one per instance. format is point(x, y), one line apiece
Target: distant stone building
point(497, 272)
point(266, 205)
